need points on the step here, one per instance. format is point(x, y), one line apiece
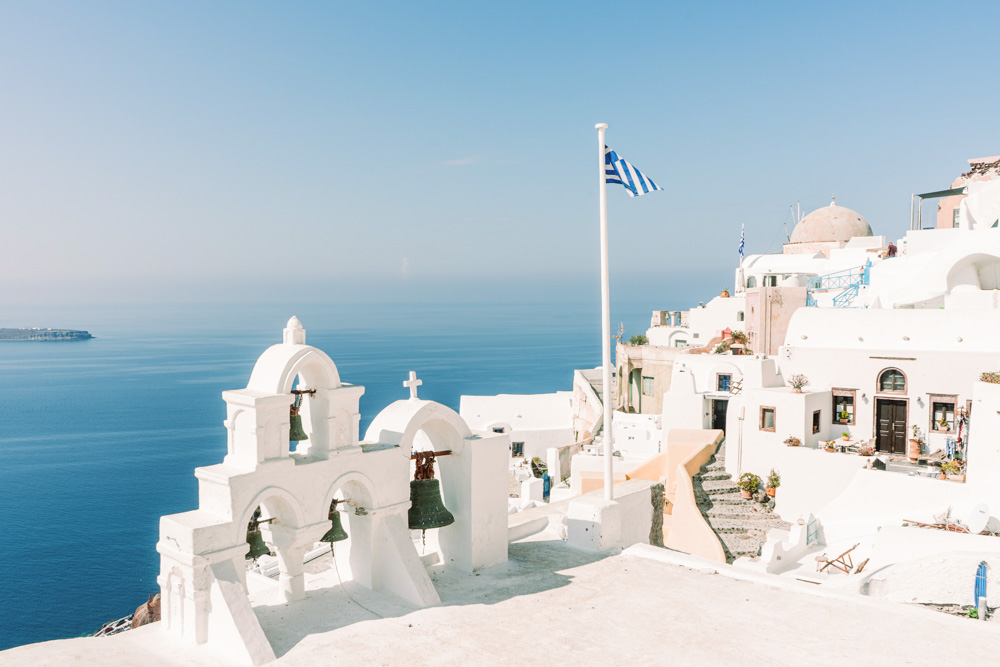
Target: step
point(734, 509)
point(735, 524)
point(739, 545)
point(718, 485)
point(713, 475)
point(715, 464)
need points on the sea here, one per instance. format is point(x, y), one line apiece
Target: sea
point(100, 438)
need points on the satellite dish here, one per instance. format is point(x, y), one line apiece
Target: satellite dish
point(977, 518)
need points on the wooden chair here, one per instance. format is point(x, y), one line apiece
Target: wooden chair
point(841, 562)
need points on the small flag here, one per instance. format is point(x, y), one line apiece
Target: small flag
point(617, 170)
point(743, 240)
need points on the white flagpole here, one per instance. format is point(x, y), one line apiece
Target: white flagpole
point(605, 319)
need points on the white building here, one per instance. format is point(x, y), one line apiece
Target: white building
point(534, 422)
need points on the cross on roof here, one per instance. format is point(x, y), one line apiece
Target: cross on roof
point(413, 383)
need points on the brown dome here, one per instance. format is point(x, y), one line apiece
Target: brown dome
point(830, 223)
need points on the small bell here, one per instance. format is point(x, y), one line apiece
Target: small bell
point(257, 546)
point(295, 432)
point(337, 532)
point(427, 510)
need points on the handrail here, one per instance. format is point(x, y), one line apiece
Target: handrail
point(689, 531)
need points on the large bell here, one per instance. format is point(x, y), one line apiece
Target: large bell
point(295, 432)
point(427, 510)
point(337, 532)
point(257, 546)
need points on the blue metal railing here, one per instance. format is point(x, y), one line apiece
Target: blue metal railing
point(848, 281)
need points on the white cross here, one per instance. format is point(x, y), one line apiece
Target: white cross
point(413, 383)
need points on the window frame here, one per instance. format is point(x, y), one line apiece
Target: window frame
point(718, 377)
point(652, 385)
point(845, 393)
point(516, 449)
point(932, 423)
point(774, 418)
point(893, 392)
point(817, 421)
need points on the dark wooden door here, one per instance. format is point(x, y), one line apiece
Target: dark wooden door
point(719, 414)
point(891, 416)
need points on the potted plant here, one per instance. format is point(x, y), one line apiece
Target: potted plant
point(943, 424)
point(748, 484)
point(845, 436)
point(828, 447)
point(792, 441)
point(773, 482)
point(953, 470)
point(913, 452)
point(797, 381)
point(866, 450)
point(845, 417)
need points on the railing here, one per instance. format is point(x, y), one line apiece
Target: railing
point(848, 281)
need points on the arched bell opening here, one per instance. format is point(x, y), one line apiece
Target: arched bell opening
point(432, 499)
point(349, 500)
point(268, 522)
point(300, 416)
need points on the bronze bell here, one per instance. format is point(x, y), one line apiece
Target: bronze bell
point(295, 432)
point(337, 532)
point(257, 546)
point(427, 510)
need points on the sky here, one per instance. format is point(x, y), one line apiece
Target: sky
point(384, 151)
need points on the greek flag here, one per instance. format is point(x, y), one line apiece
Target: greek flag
point(617, 170)
point(743, 240)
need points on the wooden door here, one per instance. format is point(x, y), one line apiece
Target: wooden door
point(891, 422)
point(719, 408)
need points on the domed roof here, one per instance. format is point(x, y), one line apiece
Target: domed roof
point(830, 223)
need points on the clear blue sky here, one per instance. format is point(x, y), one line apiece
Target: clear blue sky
point(388, 151)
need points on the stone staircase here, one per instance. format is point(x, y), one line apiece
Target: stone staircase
point(740, 524)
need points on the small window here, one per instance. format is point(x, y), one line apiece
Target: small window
point(498, 429)
point(767, 419)
point(816, 417)
point(892, 381)
point(647, 386)
point(942, 414)
point(770, 281)
point(739, 316)
point(954, 218)
point(723, 381)
point(680, 342)
point(843, 406)
point(516, 449)
point(751, 282)
point(695, 335)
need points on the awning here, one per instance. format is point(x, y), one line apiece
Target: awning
point(943, 193)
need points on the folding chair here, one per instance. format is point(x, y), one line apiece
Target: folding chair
point(841, 562)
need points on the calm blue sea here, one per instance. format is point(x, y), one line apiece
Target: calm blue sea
point(100, 438)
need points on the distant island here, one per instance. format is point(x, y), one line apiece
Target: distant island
point(36, 334)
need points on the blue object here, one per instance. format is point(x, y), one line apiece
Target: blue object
point(980, 584)
point(547, 486)
point(620, 172)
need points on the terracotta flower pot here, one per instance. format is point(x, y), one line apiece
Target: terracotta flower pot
point(746, 494)
point(913, 451)
point(944, 476)
point(771, 490)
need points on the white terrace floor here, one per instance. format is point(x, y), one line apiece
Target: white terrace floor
point(552, 604)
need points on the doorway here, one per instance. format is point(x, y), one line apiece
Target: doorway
point(890, 416)
point(719, 407)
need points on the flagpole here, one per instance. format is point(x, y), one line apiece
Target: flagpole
point(609, 493)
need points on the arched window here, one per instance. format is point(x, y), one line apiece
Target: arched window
point(892, 381)
point(751, 282)
point(739, 316)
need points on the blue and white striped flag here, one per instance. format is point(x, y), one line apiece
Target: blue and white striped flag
point(743, 240)
point(617, 170)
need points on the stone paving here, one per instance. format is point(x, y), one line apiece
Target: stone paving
point(741, 524)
